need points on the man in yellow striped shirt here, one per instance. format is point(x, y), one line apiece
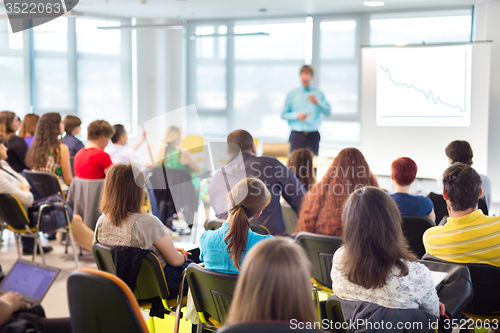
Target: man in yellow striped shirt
point(468, 235)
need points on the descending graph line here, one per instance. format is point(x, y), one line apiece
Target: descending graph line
point(429, 95)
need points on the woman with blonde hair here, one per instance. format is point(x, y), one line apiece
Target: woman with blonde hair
point(9, 125)
point(28, 128)
point(170, 153)
point(124, 223)
point(274, 285)
point(223, 250)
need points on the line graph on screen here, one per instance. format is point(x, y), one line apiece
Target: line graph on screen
point(424, 86)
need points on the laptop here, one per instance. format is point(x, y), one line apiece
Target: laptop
point(30, 279)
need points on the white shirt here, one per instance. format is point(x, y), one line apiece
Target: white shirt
point(12, 185)
point(122, 154)
point(413, 291)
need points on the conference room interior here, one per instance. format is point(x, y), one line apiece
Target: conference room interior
point(212, 67)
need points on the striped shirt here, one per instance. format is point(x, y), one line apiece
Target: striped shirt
point(473, 238)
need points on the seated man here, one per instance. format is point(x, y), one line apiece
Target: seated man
point(468, 235)
point(278, 178)
point(120, 152)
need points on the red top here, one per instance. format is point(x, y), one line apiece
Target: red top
point(90, 163)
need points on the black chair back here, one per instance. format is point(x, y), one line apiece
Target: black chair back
point(334, 314)
point(441, 210)
point(267, 327)
point(413, 229)
point(485, 287)
point(212, 292)
point(45, 183)
point(320, 250)
point(102, 303)
point(13, 213)
point(103, 258)
point(217, 223)
point(174, 191)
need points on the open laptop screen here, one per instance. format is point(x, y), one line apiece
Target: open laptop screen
point(29, 279)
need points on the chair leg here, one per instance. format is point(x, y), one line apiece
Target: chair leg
point(152, 324)
point(179, 303)
point(38, 243)
point(17, 236)
point(199, 328)
point(72, 240)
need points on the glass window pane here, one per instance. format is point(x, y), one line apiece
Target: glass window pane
point(415, 30)
point(89, 39)
point(211, 87)
point(205, 45)
point(12, 84)
point(213, 124)
point(338, 39)
point(51, 83)
point(52, 36)
point(340, 84)
point(100, 93)
point(259, 97)
point(340, 131)
point(285, 41)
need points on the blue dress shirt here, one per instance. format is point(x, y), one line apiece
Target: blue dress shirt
point(214, 249)
point(297, 102)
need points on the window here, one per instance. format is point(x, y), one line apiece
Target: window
point(76, 69)
point(12, 80)
point(421, 27)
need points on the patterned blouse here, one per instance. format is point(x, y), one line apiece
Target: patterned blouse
point(413, 291)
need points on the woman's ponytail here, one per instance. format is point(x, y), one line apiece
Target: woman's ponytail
point(249, 197)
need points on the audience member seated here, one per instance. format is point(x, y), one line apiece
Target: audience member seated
point(123, 222)
point(28, 127)
point(321, 210)
point(461, 151)
point(72, 127)
point(300, 162)
point(13, 183)
point(274, 285)
point(374, 264)
point(11, 302)
point(93, 162)
point(468, 235)
point(120, 153)
point(9, 124)
point(223, 250)
point(48, 153)
point(403, 173)
point(279, 180)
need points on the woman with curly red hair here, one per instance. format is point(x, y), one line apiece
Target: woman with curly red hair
point(322, 207)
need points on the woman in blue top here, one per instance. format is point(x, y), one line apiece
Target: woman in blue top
point(224, 249)
point(403, 173)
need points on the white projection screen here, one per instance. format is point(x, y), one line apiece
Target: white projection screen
point(417, 99)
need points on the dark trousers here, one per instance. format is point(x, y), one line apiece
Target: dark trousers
point(308, 140)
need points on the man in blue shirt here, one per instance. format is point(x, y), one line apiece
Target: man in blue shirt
point(303, 109)
point(279, 180)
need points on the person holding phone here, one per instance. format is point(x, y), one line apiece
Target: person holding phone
point(303, 109)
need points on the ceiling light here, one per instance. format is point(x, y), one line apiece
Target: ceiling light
point(373, 3)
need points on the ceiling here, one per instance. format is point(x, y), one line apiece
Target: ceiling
point(210, 9)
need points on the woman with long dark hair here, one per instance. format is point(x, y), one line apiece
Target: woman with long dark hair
point(322, 207)
point(48, 153)
point(300, 162)
point(374, 264)
point(223, 250)
point(9, 125)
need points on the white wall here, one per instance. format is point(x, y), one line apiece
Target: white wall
point(487, 27)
